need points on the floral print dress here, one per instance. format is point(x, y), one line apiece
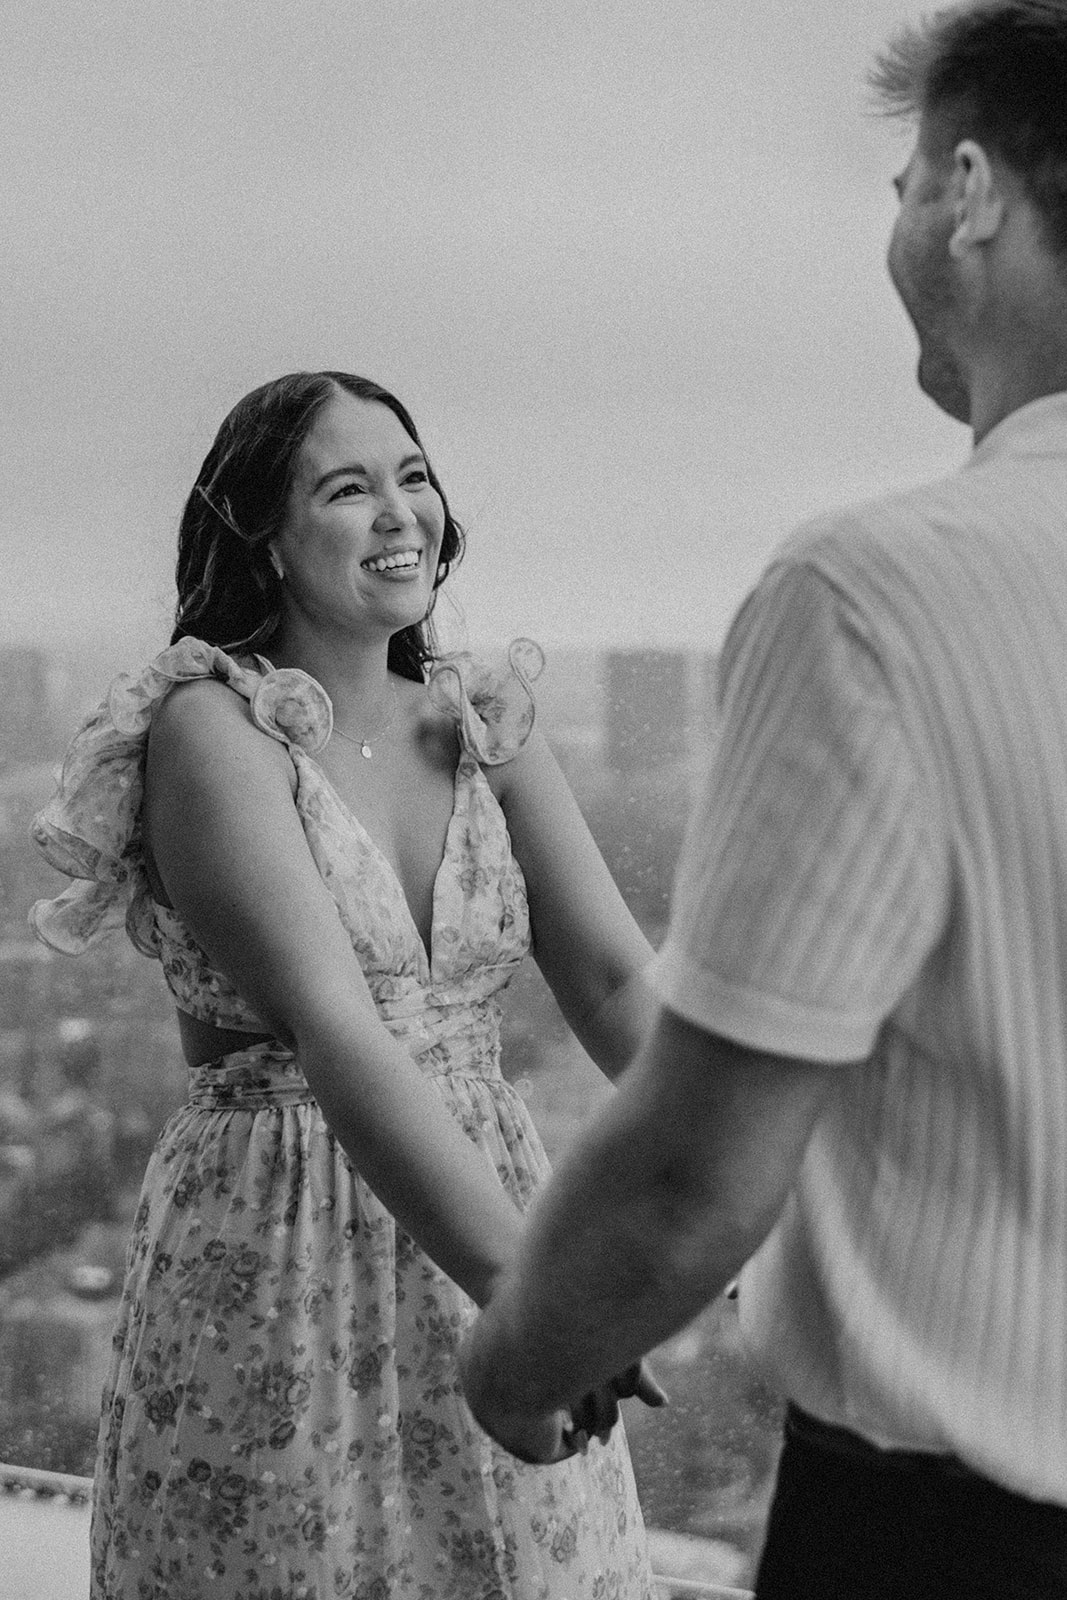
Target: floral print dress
point(282, 1419)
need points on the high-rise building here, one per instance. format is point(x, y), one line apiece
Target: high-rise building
point(30, 691)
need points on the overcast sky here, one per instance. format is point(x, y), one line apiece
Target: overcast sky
point(623, 260)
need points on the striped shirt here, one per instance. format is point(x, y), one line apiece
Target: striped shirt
point(877, 872)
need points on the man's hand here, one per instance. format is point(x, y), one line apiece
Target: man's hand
point(553, 1436)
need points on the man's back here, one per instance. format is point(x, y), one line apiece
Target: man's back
point(917, 733)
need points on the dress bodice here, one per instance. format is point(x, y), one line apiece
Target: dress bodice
point(436, 1002)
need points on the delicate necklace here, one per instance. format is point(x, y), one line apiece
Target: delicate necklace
point(385, 722)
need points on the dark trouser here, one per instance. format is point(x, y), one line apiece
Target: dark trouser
point(851, 1522)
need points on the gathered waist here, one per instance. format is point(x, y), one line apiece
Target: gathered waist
point(262, 1077)
point(268, 1076)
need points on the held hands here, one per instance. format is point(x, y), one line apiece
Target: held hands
point(555, 1435)
point(598, 1411)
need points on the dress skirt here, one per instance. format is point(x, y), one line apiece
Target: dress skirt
point(282, 1418)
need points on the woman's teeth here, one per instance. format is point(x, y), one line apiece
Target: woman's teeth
point(403, 558)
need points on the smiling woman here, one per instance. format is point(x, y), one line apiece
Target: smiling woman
point(340, 856)
point(271, 459)
point(359, 547)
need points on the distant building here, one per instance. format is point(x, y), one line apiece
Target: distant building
point(31, 692)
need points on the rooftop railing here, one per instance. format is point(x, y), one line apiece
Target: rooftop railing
point(22, 1540)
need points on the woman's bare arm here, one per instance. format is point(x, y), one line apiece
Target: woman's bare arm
point(586, 941)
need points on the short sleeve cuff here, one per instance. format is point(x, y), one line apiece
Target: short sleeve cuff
point(768, 1022)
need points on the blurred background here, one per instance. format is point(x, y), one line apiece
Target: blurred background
point(624, 263)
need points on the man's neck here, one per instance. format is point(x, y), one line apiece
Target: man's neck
point(996, 394)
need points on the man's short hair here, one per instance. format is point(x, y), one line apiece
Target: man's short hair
point(995, 72)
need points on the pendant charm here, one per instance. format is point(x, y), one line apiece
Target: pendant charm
point(364, 749)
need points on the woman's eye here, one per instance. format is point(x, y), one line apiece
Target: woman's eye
point(348, 489)
point(417, 477)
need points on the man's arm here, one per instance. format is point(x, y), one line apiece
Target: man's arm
point(654, 1210)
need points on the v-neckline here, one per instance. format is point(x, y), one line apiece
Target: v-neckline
point(428, 950)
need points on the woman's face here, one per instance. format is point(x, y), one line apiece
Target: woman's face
point(363, 528)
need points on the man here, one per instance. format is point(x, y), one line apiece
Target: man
point(859, 1076)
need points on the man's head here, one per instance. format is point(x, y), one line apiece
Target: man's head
point(979, 251)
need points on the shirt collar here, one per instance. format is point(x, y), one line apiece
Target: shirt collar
point(1037, 429)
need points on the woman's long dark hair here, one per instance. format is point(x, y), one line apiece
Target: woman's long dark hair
point(228, 591)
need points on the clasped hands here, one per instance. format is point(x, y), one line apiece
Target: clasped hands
point(554, 1435)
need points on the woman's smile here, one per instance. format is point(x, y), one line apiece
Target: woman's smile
point(400, 563)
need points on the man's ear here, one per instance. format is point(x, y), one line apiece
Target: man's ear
point(979, 200)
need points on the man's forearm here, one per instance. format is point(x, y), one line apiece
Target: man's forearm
point(653, 1211)
point(610, 1267)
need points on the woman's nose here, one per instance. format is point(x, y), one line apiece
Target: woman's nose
point(394, 510)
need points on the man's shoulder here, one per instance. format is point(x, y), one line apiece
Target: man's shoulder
point(888, 523)
point(908, 539)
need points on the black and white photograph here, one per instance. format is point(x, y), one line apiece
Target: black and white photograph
point(533, 800)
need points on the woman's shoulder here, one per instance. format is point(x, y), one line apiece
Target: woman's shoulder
point(90, 830)
point(199, 708)
point(200, 717)
point(228, 695)
point(134, 699)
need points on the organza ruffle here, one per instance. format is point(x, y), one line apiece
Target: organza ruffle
point(492, 703)
point(91, 828)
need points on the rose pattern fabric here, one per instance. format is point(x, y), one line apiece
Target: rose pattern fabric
point(282, 1419)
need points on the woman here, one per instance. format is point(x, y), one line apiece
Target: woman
point(340, 855)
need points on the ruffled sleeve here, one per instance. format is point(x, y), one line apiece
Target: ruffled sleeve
point(491, 702)
point(91, 828)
